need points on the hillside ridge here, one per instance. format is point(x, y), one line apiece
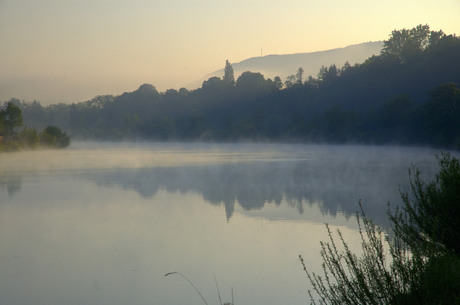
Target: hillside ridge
point(283, 65)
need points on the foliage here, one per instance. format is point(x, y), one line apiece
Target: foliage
point(439, 283)
point(442, 114)
point(10, 117)
point(405, 43)
point(328, 75)
point(419, 264)
point(278, 83)
point(369, 279)
point(27, 138)
point(249, 83)
point(53, 136)
point(430, 217)
point(9, 146)
point(290, 81)
point(229, 76)
point(299, 76)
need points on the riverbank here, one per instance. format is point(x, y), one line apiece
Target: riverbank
point(30, 139)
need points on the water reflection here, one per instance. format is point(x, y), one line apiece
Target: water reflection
point(335, 187)
point(12, 183)
point(247, 176)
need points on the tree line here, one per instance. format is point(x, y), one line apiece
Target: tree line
point(406, 95)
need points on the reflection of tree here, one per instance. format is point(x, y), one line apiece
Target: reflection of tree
point(12, 184)
point(336, 187)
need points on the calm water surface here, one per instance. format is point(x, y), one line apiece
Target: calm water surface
point(103, 224)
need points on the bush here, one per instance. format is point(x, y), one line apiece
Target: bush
point(28, 138)
point(53, 136)
point(8, 146)
point(430, 217)
point(419, 264)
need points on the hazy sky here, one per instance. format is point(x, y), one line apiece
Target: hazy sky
point(72, 50)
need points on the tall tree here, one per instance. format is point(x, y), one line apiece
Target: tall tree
point(229, 76)
point(328, 75)
point(251, 82)
point(213, 84)
point(278, 83)
point(404, 43)
point(10, 117)
point(290, 81)
point(299, 76)
point(435, 36)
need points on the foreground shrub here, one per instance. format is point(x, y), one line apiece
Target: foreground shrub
point(418, 264)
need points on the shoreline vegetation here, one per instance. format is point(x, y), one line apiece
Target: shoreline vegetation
point(418, 262)
point(27, 138)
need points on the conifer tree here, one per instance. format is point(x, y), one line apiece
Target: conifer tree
point(229, 76)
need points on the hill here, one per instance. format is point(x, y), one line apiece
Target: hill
point(287, 64)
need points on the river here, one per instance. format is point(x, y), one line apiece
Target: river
point(100, 224)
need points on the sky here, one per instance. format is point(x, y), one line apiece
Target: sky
point(69, 51)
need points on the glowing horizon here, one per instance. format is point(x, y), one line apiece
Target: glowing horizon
point(70, 51)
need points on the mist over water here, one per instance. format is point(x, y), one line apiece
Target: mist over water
point(103, 224)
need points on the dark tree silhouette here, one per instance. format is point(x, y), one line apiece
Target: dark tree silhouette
point(10, 118)
point(229, 76)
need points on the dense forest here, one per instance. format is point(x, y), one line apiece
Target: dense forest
point(407, 95)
